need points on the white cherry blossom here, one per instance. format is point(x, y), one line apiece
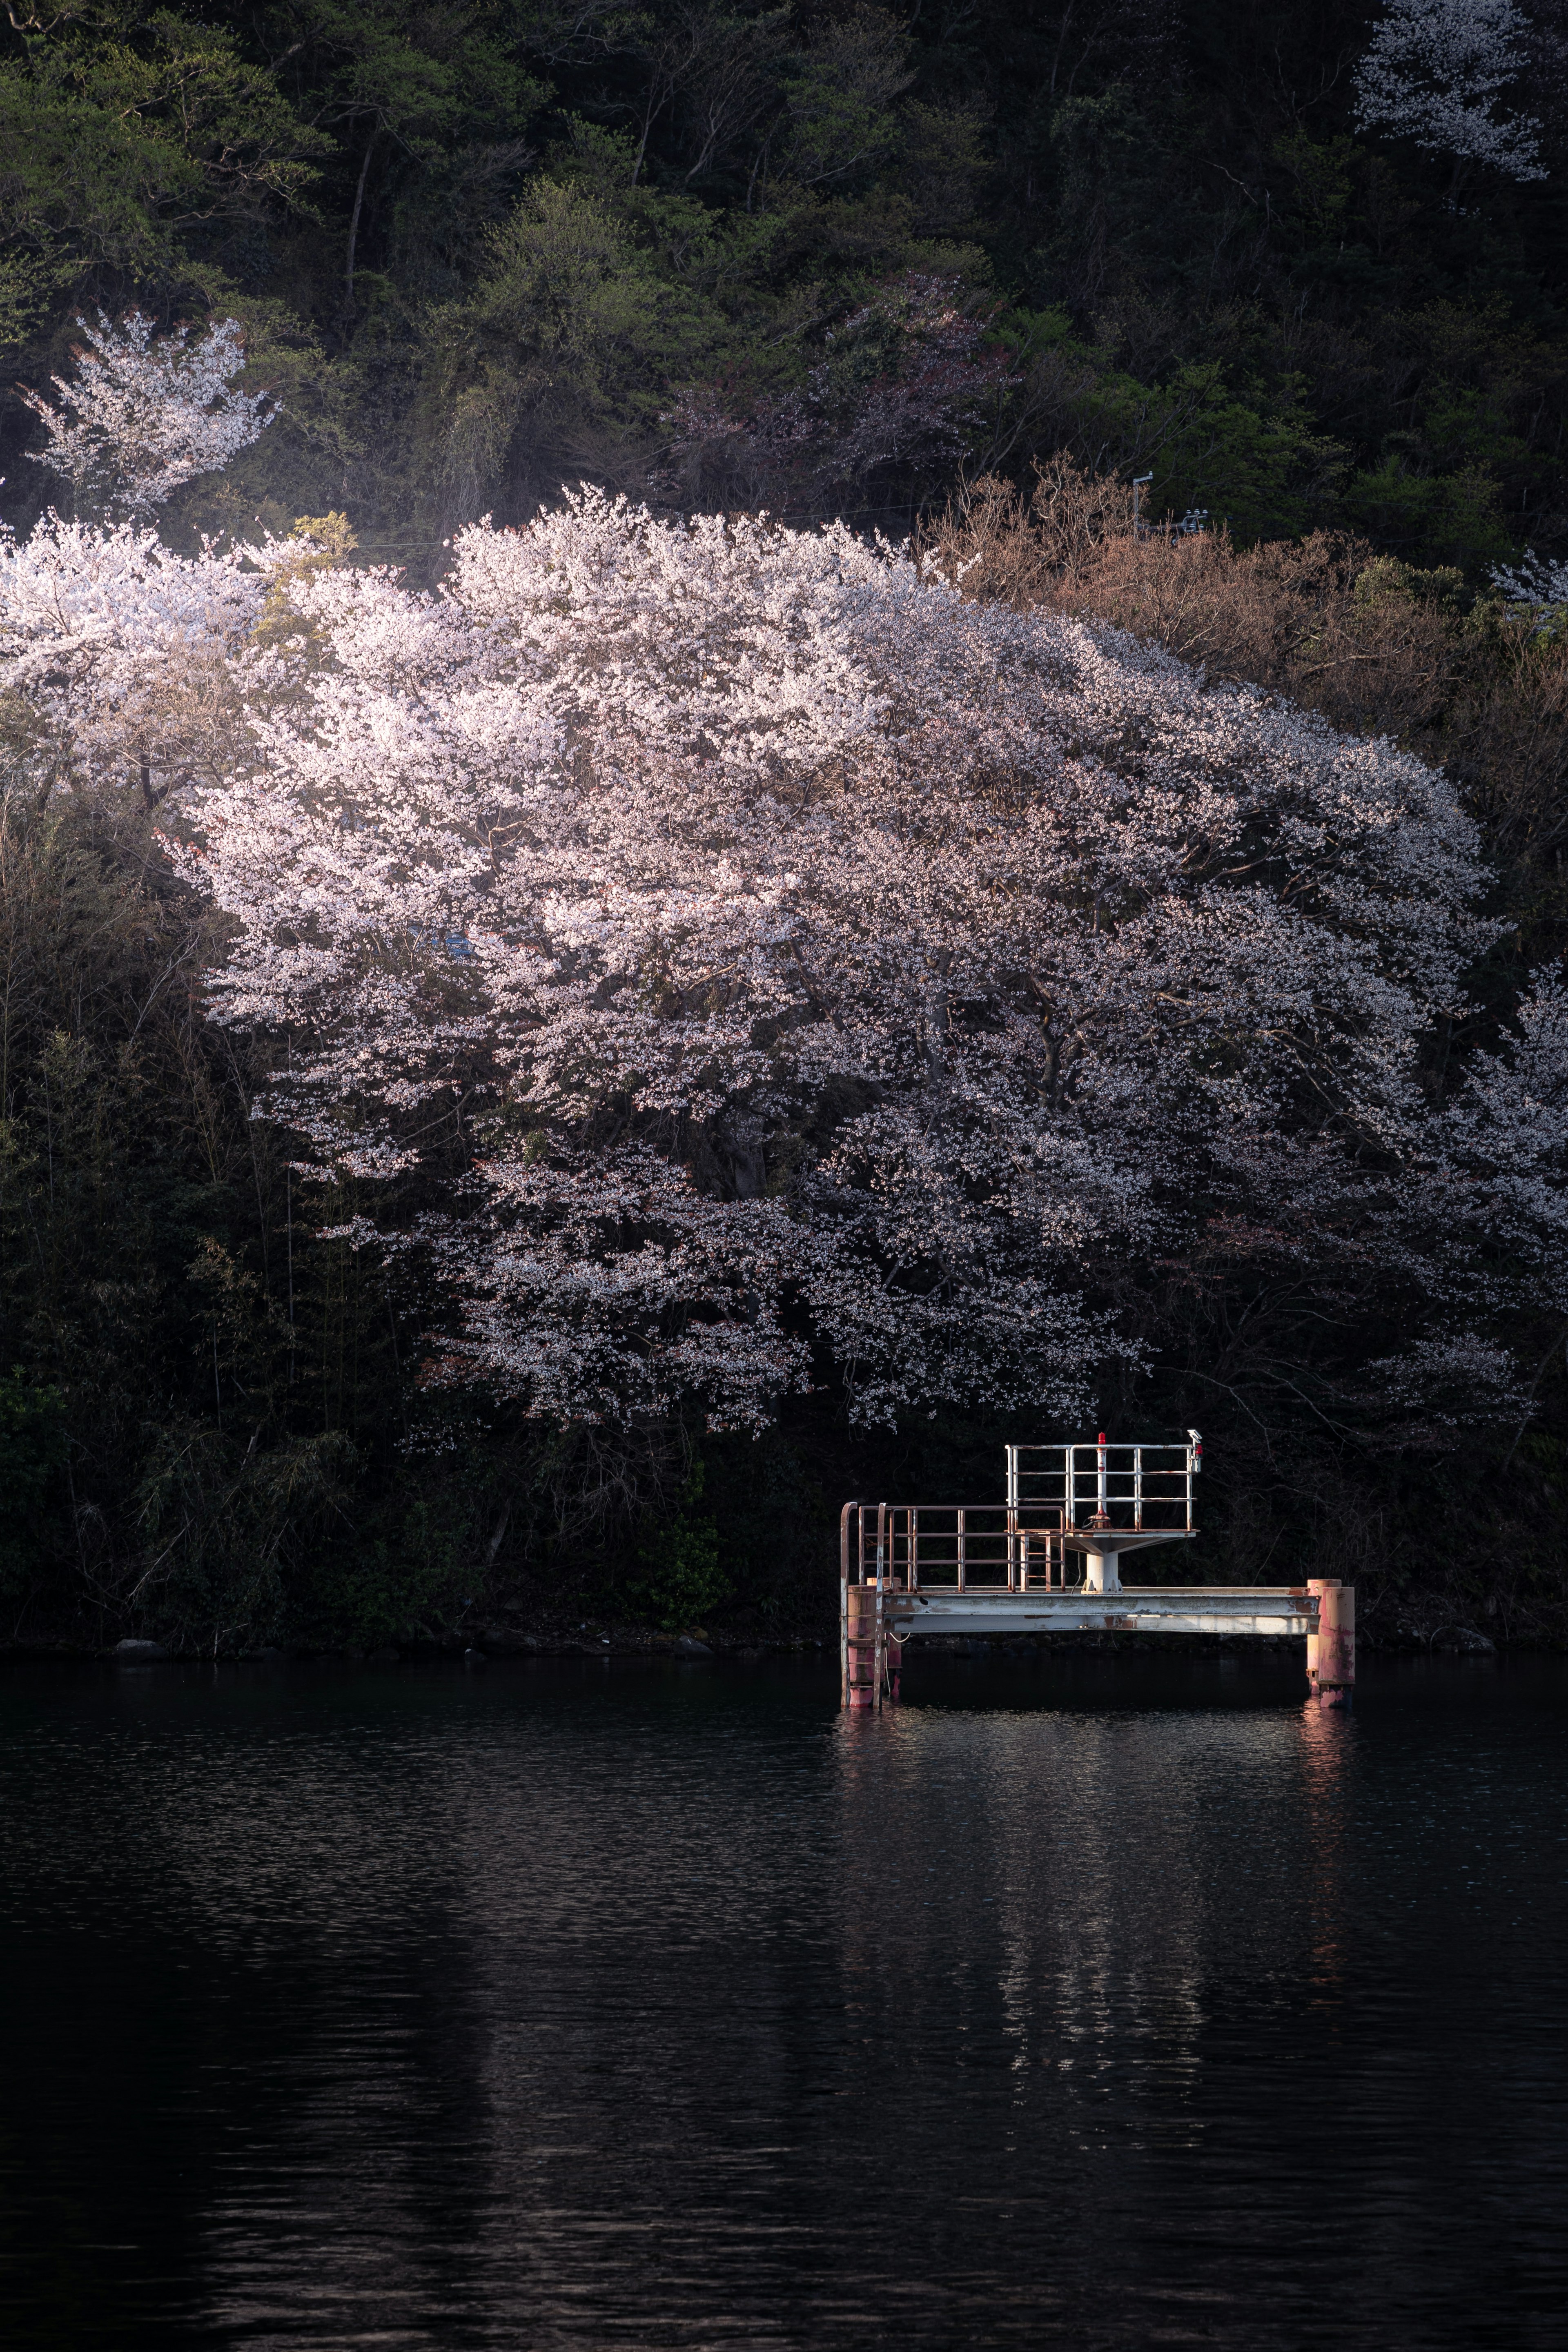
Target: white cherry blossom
point(146, 414)
point(1434, 72)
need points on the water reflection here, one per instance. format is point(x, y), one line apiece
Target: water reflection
point(676, 2008)
point(1328, 1737)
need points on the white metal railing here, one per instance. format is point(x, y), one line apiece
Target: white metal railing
point(1107, 1486)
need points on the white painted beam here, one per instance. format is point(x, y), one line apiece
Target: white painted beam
point(1201, 1609)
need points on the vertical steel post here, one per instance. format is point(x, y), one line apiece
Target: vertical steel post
point(880, 1650)
point(1100, 1490)
point(1140, 529)
point(1320, 1585)
point(844, 1602)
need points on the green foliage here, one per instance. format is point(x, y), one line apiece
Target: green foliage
point(119, 138)
point(682, 1579)
point(1244, 451)
point(220, 1519)
point(583, 316)
point(777, 1524)
point(32, 1457)
point(399, 1574)
point(483, 248)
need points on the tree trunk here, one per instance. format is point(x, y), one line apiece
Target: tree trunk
point(354, 227)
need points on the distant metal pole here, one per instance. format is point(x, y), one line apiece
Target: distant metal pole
point(1138, 482)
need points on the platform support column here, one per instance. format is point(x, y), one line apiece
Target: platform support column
point(1320, 1585)
point(1100, 1572)
point(850, 1512)
point(1336, 1645)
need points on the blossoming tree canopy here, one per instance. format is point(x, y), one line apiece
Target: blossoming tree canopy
point(1434, 71)
point(751, 958)
point(147, 412)
point(128, 656)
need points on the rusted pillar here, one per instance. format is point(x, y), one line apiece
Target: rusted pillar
point(1336, 1645)
point(850, 1512)
point(1320, 1585)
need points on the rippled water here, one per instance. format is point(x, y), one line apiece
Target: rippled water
point(1108, 2003)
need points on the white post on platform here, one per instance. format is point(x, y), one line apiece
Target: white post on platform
point(1100, 1572)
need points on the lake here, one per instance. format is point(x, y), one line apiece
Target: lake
point(1102, 2001)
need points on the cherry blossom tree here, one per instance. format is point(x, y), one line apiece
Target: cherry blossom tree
point(1434, 72)
point(736, 960)
point(147, 413)
point(1536, 590)
point(127, 656)
point(714, 959)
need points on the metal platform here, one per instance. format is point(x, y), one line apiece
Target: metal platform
point(1048, 1561)
point(1133, 1609)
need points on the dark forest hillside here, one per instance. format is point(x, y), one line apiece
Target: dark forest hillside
point(481, 246)
point(961, 273)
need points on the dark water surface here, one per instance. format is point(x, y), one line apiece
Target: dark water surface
point(1103, 2003)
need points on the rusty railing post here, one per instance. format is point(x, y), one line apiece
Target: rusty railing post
point(844, 1602)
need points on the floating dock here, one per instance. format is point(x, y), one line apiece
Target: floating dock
point(1048, 1561)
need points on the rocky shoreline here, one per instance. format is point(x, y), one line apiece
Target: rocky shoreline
point(477, 1647)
